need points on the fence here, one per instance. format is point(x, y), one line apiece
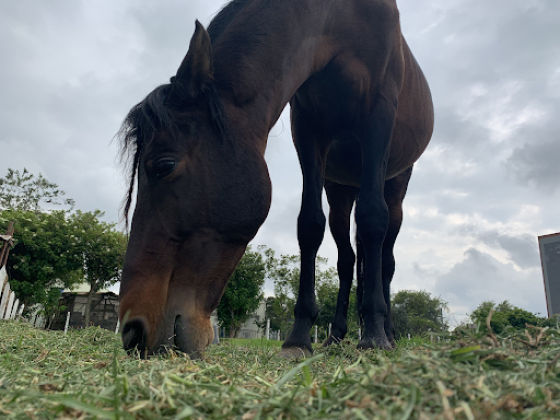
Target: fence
point(10, 307)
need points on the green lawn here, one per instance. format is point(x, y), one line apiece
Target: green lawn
point(86, 375)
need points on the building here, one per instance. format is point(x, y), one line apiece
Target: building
point(250, 329)
point(549, 247)
point(104, 309)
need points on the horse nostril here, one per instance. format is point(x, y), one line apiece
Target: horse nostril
point(134, 337)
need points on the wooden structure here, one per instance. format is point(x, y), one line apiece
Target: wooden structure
point(104, 310)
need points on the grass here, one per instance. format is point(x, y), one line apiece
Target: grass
point(251, 343)
point(86, 375)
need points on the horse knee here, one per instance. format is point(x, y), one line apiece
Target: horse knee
point(346, 258)
point(311, 229)
point(373, 221)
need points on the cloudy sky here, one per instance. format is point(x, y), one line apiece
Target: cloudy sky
point(487, 186)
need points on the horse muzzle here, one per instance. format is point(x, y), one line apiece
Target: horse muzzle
point(190, 335)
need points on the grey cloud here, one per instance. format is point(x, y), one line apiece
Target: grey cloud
point(480, 277)
point(425, 272)
point(521, 249)
point(537, 163)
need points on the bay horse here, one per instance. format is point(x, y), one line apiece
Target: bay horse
point(361, 115)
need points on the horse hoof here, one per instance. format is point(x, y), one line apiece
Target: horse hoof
point(295, 353)
point(380, 343)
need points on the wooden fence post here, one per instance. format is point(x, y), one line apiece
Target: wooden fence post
point(20, 312)
point(3, 278)
point(4, 302)
point(67, 322)
point(14, 309)
point(10, 304)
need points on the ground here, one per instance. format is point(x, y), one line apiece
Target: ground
point(86, 375)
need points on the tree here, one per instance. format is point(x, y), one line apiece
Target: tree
point(243, 293)
point(417, 312)
point(44, 258)
point(102, 249)
point(505, 314)
point(327, 287)
point(280, 313)
point(284, 271)
point(55, 249)
point(25, 192)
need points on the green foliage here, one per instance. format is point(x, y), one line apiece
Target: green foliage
point(284, 272)
point(243, 294)
point(506, 315)
point(417, 313)
point(327, 286)
point(25, 192)
point(44, 255)
point(102, 249)
point(54, 250)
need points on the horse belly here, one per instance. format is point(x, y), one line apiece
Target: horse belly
point(344, 161)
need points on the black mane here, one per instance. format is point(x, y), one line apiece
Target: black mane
point(138, 129)
point(153, 113)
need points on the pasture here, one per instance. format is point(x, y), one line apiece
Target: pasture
point(86, 375)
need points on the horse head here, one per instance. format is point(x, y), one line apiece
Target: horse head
point(202, 193)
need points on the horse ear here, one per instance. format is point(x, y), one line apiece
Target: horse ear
point(196, 70)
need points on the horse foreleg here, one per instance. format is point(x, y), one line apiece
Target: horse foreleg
point(372, 215)
point(395, 190)
point(341, 199)
point(310, 232)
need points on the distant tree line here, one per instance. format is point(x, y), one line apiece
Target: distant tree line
point(506, 316)
point(414, 312)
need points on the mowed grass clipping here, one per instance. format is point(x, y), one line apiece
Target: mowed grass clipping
point(85, 375)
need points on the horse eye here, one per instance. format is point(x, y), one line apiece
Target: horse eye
point(163, 167)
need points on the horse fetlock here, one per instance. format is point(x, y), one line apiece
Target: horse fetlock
point(339, 330)
point(305, 314)
point(333, 339)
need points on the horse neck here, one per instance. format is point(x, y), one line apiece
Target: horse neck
point(260, 60)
